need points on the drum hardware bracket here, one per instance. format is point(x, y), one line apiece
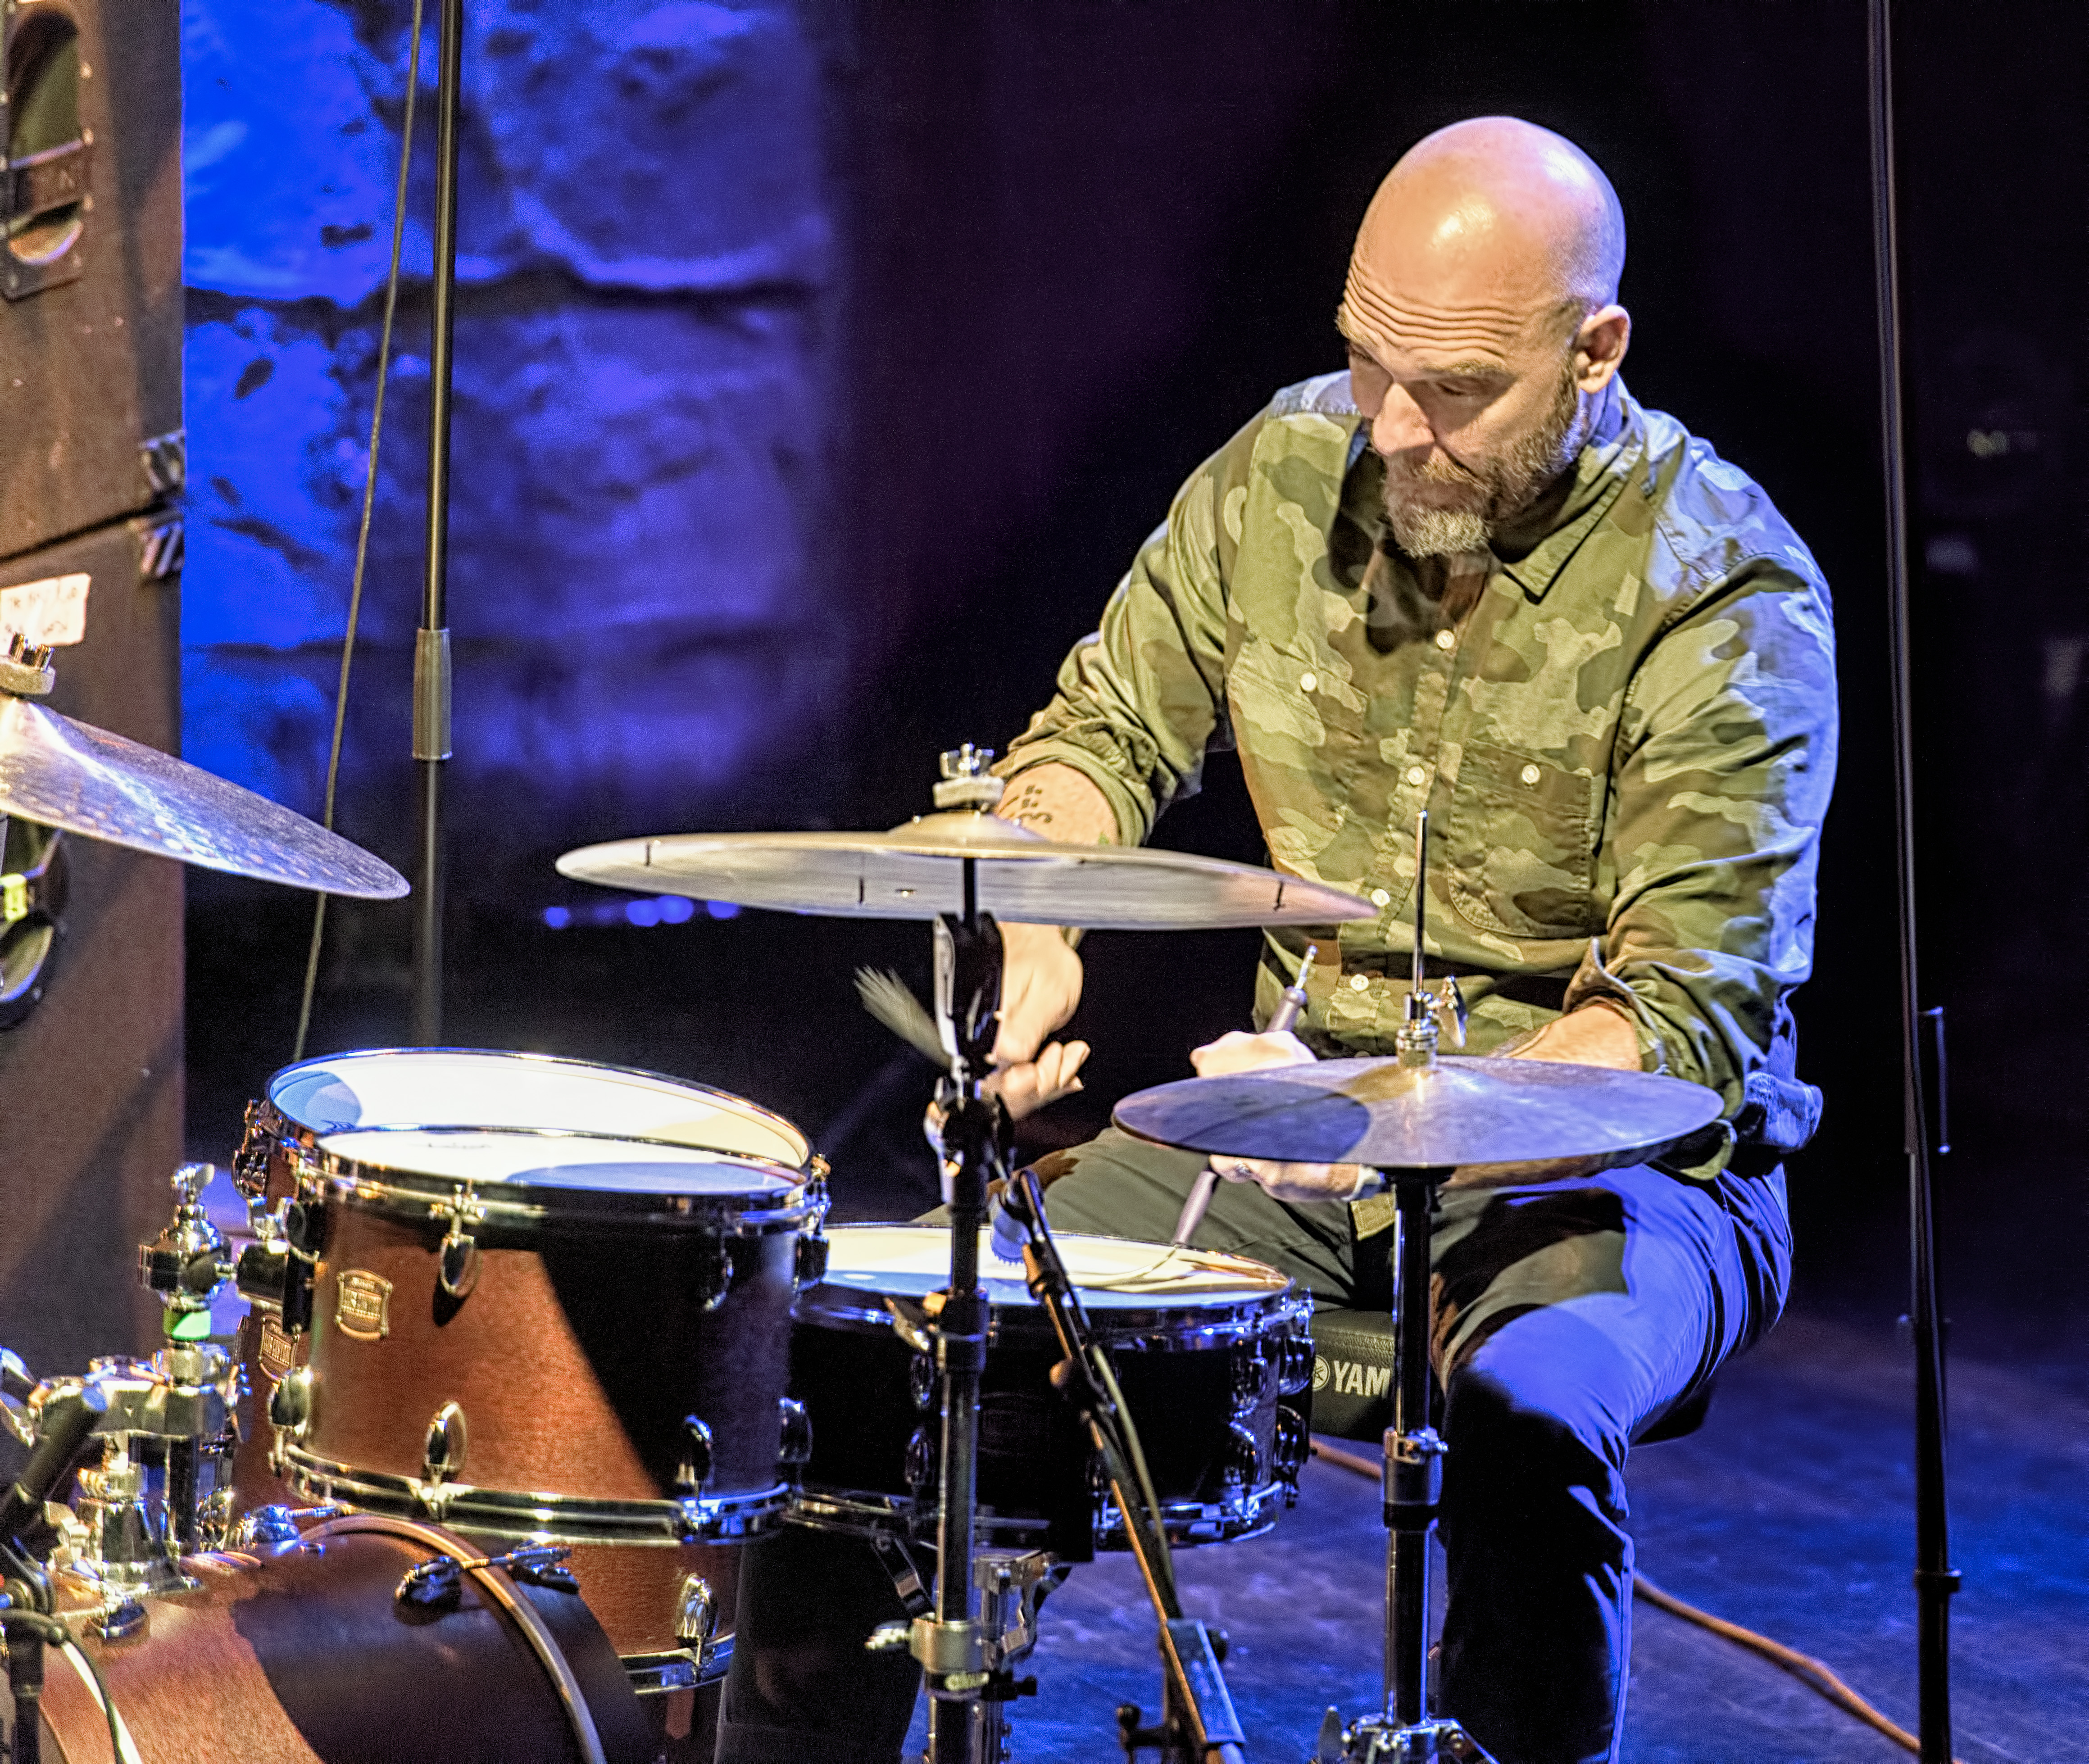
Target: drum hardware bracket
point(438, 1582)
point(275, 1525)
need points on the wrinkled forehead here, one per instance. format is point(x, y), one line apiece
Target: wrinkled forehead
point(1409, 324)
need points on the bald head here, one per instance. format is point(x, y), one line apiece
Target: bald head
point(1481, 313)
point(1495, 212)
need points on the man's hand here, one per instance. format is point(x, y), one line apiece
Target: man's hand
point(1027, 1088)
point(1234, 1051)
point(1040, 985)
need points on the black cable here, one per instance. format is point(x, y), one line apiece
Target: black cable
point(53, 1634)
point(363, 533)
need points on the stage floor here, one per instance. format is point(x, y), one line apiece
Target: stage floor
point(1788, 1513)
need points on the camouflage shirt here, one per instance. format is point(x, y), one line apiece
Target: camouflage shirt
point(1625, 746)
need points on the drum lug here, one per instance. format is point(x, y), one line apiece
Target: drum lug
point(922, 1384)
point(795, 1446)
point(1294, 1362)
point(923, 1452)
point(449, 1438)
point(711, 1273)
point(1243, 1458)
point(695, 1611)
point(1251, 1377)
point(694, 1470)
point(250, 1163)
point(290, 1402)
point(811, 1261)
point(456, 1258)
point(1293, 1446)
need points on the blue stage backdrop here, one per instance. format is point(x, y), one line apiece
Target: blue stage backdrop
point(642, 580)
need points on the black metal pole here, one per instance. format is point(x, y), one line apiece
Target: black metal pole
point(1935, 1579)
point(431, 642)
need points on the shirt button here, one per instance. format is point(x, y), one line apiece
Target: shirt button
point(1446, 640)
point(1530, 774)
point(1415, 774)
point(1359, 982)
point(1379, 897)
point(1308, 681)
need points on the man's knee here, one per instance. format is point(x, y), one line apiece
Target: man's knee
point(1533, 1440)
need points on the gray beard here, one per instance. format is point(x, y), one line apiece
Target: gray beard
point(1507, 486)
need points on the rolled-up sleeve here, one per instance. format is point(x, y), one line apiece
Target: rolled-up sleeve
point(1138, 701)
point(1726, 757)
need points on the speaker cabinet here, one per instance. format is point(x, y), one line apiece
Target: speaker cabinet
point(90, 1073)
point(91, 274)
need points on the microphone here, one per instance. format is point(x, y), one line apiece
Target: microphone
point(65, 1422)
point(1011, 1231)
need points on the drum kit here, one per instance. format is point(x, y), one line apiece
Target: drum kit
point(530, 1348)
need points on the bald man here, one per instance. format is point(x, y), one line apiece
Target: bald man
point(1468, 574)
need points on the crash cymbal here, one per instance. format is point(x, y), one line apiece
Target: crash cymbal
point(913, 872)
point(1461, 1109)
point(85, 780)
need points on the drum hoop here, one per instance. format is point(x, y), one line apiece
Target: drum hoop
point(391, 1188)
point(1160, 1329)
point(505, 1593)
point(536, 1518)
point(861, 1513)
point(271, 1119)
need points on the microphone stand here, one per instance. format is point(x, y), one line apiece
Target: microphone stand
point(1197, 1723)
point(1922, 1032)
point(431, 641)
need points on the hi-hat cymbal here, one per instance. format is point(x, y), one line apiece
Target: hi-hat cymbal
point(1462, 1110)
point(85, 780)
point(913, 872)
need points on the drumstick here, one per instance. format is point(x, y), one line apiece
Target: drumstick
point(1281, 1019)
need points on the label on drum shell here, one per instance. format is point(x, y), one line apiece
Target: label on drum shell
point(362, 1308)
point(277, 1350)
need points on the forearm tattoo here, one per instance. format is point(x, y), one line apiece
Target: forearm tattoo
point(1025, 805)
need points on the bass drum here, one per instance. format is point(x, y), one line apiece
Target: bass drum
point(307, 1655)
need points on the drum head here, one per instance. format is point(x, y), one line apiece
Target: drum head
point(549, 1164)
point(461, 1087)
point(1112, 1273)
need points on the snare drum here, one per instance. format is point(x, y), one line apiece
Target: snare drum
point(1205, 1347)
point(307, 1653)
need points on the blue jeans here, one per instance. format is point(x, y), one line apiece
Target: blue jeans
point(1569, 1316)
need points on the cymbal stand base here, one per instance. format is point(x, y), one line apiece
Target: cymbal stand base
point(1376, 1740)
point(1414, 1454)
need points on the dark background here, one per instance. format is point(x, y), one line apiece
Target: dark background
point(1086, 241)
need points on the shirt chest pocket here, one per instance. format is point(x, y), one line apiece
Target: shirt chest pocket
point(1521, 849)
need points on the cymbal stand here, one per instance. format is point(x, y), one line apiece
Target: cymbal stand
point(951, 1644)
point(1404, 1730)
point(1198, 1724)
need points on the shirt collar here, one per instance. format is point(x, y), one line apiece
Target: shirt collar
point(1601, 473)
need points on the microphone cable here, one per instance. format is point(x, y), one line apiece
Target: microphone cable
point(362, 531)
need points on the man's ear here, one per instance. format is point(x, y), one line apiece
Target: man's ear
point(1600, 346)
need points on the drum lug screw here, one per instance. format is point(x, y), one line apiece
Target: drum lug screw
point(694, 1470)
